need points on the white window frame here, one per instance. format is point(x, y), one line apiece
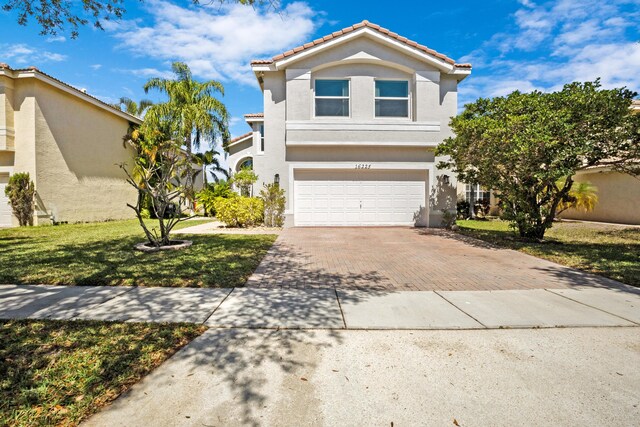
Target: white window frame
point(395, 98)
point(478, 190)
point(348, 97)
point(260, 148)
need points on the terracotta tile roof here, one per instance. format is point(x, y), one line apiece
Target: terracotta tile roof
point(254, 115)
point(241, 137)
point(354, 27)
point(80, 92)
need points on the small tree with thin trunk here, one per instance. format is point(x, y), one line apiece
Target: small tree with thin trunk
point(21, 191)
point(528, 146)
point(244, 180)
point(159, 174)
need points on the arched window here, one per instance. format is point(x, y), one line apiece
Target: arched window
point(246, 163)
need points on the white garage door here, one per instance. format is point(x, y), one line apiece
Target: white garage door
point(5, 209)
point(360, 197)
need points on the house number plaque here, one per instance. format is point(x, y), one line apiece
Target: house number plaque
point(363, 166)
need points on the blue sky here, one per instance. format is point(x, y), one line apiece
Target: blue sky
point(523, 44)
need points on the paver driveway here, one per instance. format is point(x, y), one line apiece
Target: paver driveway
point(396, 258)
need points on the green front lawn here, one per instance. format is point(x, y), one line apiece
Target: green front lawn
point(608, 250)
point(60, 372)
point(102, 254)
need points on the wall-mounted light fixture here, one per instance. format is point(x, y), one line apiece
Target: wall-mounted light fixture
point(445, 179)
point(276, 179)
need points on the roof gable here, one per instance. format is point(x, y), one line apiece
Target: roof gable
point(33, 72)
point(364, 28)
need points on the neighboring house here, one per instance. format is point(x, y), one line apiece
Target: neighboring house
point(618, 194)
point(475, 193)
point(69, 142)
point(349, 129)
point(618, 197)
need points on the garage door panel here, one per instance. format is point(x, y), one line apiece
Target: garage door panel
point(370, 197)
point(5, 209)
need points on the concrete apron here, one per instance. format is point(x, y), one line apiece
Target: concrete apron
point(328, 308)
point(519, 377)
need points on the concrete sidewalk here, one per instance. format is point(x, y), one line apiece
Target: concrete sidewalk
point(328, 308)
point(251, 377)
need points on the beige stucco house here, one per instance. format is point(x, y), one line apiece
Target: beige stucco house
point(69, 142)
point(349, 128)
point(618, 193)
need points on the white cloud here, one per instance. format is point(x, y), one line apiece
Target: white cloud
point(147, 72)
point(60, 39)
point(21, 54)
point(96, 66)
point(558, 42)
point(216, 41)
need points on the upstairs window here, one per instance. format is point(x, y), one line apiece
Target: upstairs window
point(392, 98)
point(332, 98)
point(261, 138)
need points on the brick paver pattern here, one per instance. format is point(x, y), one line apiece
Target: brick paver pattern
point(397, 258)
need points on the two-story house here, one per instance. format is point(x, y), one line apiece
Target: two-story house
point(69, 142)
point(349, 129)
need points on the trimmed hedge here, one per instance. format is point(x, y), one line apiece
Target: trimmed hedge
point(239, 211)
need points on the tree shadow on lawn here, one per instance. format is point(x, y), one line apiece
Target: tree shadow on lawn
point(617, 261)
point(608, 260)
point(212, 261)
point(58, 372)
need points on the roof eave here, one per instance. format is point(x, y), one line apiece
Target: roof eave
point(460, 73)
point(241, 139)
point(288, 60)
point(39, 75)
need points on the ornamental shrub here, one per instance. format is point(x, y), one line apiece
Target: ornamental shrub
point(273, 197)
point(208, 195)
point(239, 211)
point(21, 191)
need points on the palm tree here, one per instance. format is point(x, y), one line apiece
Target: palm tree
point(210, 161)
point(582, 196)
point(193, 110)
point(132, 107)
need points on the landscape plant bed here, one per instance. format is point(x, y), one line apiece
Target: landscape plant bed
point(173, 245)
point(60, 372)
point(608, 250)
point(103, 254)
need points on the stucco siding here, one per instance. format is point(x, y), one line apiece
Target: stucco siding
point(359, 154)
point(363, 49)
point(78, 149)
point(7, 124)
point(355, 136)
point(618, 198)
point(272, 161)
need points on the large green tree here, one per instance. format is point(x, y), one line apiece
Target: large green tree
point(58, 16)
point(528, 146)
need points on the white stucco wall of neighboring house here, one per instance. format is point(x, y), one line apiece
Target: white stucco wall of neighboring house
point(360, 147)
point(71, 146)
